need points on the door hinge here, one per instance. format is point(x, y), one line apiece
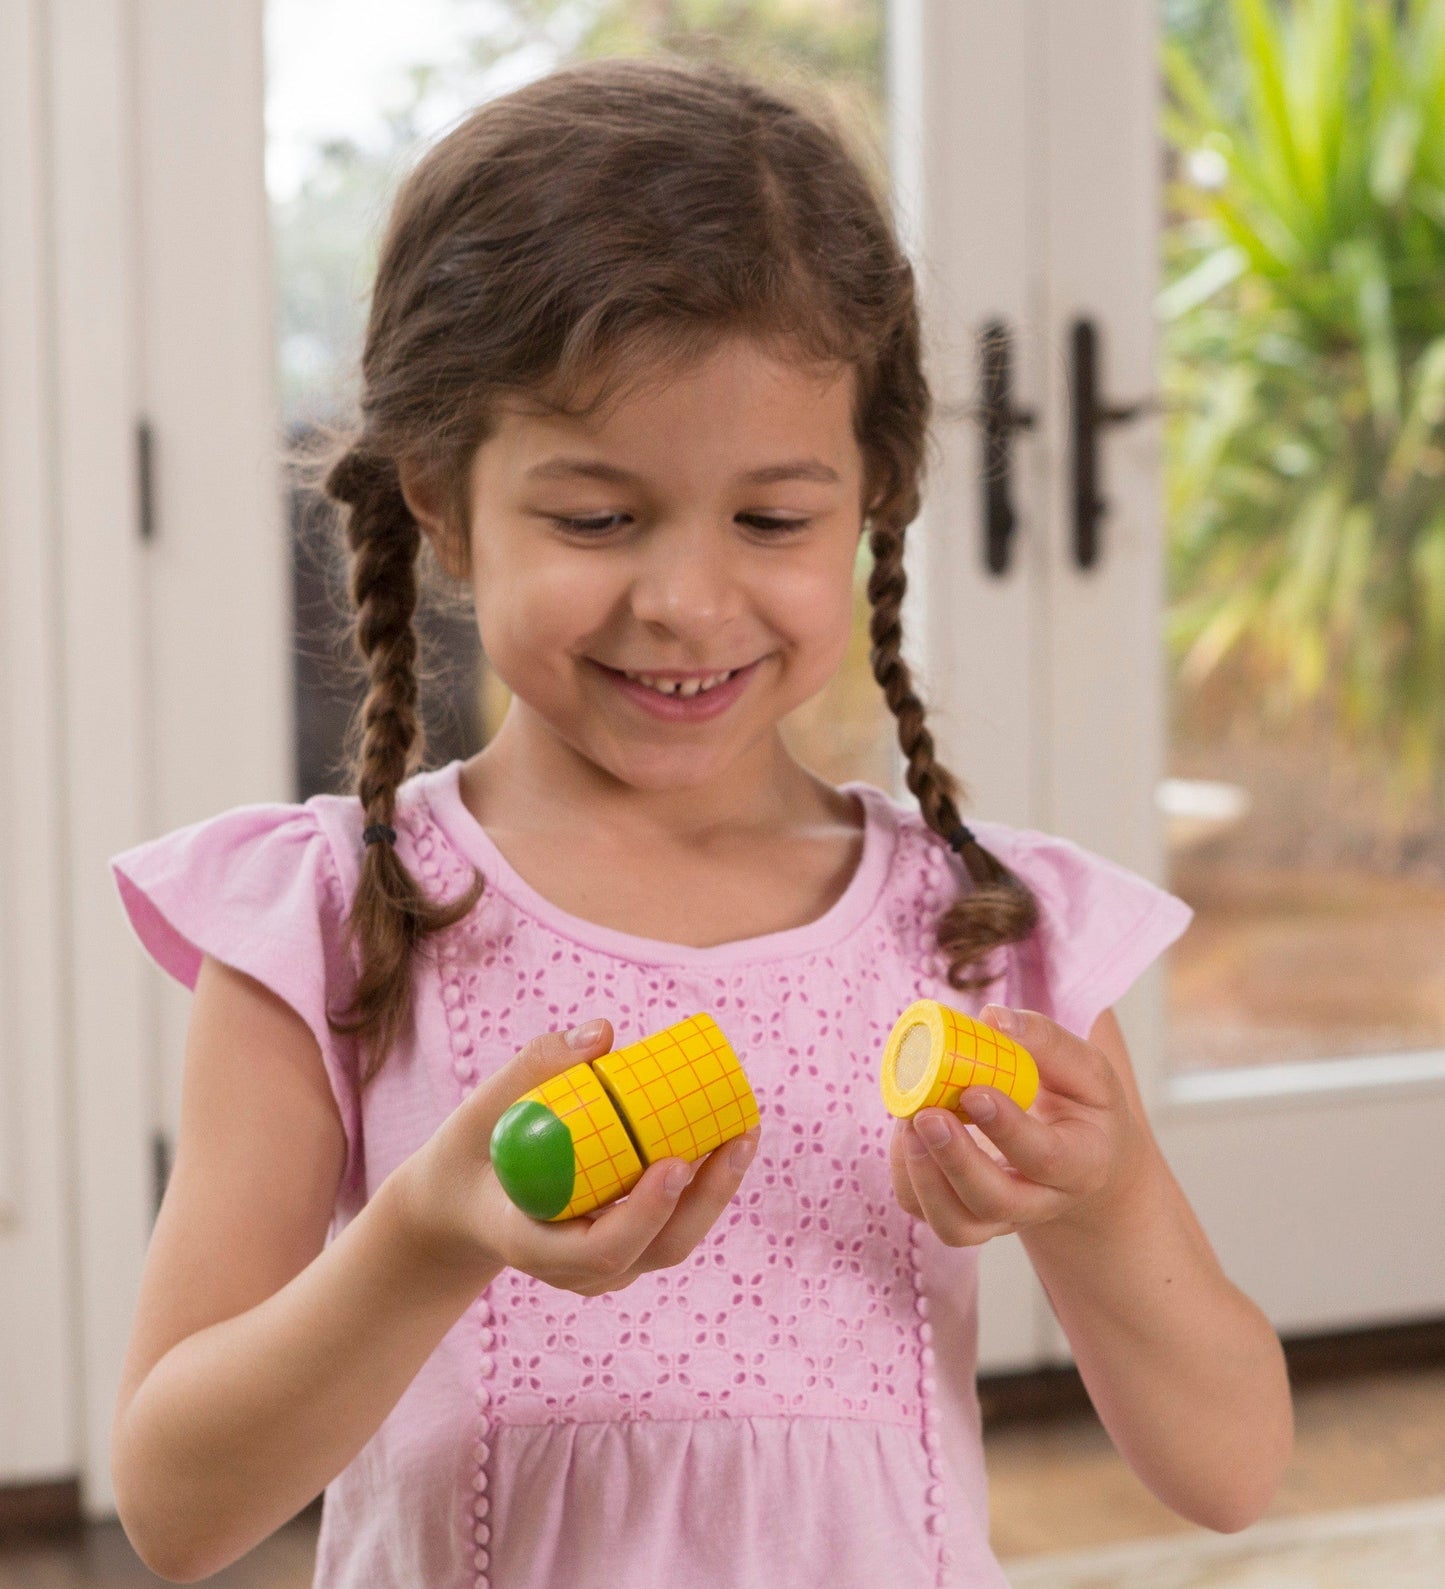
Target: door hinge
point(145, 455)
point(160, 1170)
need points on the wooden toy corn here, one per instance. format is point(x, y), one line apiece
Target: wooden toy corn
point(584, 1138)
point(935, 1051)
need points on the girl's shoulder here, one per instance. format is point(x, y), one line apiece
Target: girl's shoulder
point(269, 850)
point(1100, 923)
point(264, 888)
point(1050, 864)
point(272, 855)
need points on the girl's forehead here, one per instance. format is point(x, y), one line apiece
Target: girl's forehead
point(739, 397)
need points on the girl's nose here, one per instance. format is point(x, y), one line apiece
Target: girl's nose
point(686, 577)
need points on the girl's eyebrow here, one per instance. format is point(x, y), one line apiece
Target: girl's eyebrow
point(595, 469)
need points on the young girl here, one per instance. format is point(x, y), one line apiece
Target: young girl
point(642, 365)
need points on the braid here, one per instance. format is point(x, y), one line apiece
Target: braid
point(391, 917)
point(1001, 908)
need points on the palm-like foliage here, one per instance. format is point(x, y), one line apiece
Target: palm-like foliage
point(1304, 327)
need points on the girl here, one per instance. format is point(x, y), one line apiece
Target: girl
point(642, 364)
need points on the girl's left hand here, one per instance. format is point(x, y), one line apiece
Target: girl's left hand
point(1078, 1147)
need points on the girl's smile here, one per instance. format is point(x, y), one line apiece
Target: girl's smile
point(679, 707)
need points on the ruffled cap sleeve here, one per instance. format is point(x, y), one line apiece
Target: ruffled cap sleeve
point(1100, 924)
point(258, 889)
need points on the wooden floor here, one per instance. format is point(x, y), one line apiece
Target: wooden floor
point(1055, 1483)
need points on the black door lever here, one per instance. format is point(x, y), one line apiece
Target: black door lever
point(1000, 420)
point(1088, 415)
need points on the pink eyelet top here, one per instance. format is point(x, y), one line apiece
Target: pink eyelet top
point(795, 1402)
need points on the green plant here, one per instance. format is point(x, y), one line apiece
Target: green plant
point(1304, 336)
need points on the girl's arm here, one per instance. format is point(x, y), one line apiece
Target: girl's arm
point(259, 1363)
point(1186, 1373)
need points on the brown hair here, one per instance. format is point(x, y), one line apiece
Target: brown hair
point(610, 219)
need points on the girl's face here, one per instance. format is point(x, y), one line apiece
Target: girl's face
point(697, 527)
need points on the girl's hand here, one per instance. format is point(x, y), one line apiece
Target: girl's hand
point(1079, 1147)
point(457, 1212)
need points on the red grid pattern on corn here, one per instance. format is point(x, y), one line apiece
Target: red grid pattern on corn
point(978, 1056)
point(606, 1164)
point(681, 1090)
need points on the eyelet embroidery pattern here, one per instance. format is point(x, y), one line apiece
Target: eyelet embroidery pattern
point(815, 1221)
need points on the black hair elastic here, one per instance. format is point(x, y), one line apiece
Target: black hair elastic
point(960, 836)
point(377, 832)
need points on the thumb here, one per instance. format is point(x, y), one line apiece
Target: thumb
point(537, 1061)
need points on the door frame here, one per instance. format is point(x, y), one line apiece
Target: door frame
point(176, 681)
point(1311, 1180)
point(960, 77)
point(37, 1286)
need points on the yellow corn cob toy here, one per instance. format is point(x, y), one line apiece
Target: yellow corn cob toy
point(935, 1051)
point(584, 1138)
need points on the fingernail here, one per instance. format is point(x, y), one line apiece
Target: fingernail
point(913, 1144)
point(676, 1178)
point(742, 1153)
point(933, 1129)
point(978, 1104)
point(1003, 1018)
point(581, 1036)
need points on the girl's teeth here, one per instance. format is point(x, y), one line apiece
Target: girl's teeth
point(688, 687)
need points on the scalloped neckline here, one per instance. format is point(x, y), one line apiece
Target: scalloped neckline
point(442, 790)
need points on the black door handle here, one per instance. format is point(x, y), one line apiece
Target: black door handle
point(1000, 420)
point(1088, 415)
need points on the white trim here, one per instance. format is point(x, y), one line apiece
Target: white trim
point(961, 79)
point(38, 1435)
point(105, 993)
point(1322, 1208)
point(903, 56)
point(1340, 1080)
point(176, 652)
point(218, 572)
point(1096, 214)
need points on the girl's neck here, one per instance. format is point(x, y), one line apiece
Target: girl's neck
point(528, 781)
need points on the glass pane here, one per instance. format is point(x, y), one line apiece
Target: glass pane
point(352, 93)
point(1302, 327)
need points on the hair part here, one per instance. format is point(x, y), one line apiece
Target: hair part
point(564, 242)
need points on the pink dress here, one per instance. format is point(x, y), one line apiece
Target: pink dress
point(795, 1402)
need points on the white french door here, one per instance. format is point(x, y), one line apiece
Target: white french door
point(1028, 163)
point(38, 1392)
point(145, 647)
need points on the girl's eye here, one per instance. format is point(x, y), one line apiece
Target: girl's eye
point(773, 526)
point(586, 526)
point(600, 525)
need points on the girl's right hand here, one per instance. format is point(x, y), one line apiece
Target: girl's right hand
point(456, 1212)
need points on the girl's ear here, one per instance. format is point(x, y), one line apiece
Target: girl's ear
point(426, 502)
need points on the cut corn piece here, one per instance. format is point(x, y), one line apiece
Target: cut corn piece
point(605, 1161)
point(681, 1091)
point(935, 1051)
